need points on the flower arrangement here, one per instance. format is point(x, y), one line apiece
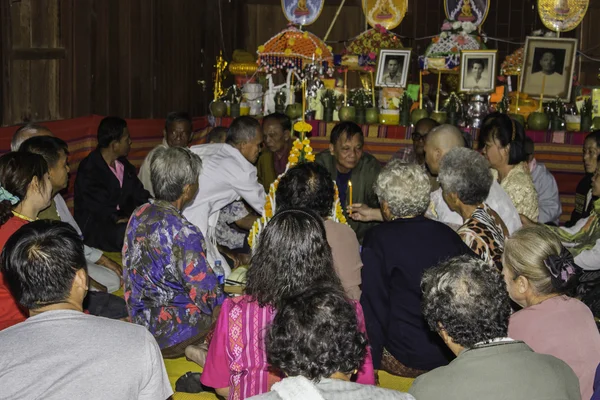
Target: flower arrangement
point(234, 95)
point(513, 63)
point(301, 152)
point(366, 45)
point(360, 99)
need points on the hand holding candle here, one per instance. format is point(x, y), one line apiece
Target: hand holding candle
point(350, 193)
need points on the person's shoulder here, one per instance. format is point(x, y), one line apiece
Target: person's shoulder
point(432, 383)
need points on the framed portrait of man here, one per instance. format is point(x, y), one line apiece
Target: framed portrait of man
point(548, 64)
point(392, 68)
point(478, 71)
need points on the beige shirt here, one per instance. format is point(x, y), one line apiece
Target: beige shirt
point(518, 184)
point(346, 256)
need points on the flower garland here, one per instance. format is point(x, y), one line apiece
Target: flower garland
point(301, 152)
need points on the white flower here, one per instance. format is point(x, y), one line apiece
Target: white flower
point(396, 102)
point(456, 25)
point(468, 27)
point(443, 35)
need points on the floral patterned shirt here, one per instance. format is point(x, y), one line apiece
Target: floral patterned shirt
point(169, 287)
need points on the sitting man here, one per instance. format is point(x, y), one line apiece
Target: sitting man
point(277, 130)
point(28, 131)
point(76, 355)
point(107, 188)
point(105, 274)
point(177, 133)
point(466, 303)
point(227, 174)
point(416, 153)
point(545, 186)
point(349, 164)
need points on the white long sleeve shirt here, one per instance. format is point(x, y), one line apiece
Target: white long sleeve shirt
point(498, 200)
point(226, 176)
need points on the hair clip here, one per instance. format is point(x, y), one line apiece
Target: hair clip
point(6, 195)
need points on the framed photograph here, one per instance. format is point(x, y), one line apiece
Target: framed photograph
point(478, 71)
point(392, 68)
point(548, 62)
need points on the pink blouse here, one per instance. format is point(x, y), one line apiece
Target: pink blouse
point(564, 328)
point(237, 358)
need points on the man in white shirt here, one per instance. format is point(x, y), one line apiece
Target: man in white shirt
point(59, 352)
point(106, 274)
point(228, 174)
point(439, 141)
point(177, 133)
point(545, 186)
point(475, 79)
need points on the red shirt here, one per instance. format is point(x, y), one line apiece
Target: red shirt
point(10, 312)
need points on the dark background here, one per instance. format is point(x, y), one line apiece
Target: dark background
point(559, 58)
point(143, 58)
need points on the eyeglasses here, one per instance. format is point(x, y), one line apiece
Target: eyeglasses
point(416, 136)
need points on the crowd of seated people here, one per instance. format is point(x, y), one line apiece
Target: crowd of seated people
point(418, 285)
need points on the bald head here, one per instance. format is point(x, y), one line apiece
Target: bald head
point(28, 131)
point(440, 141)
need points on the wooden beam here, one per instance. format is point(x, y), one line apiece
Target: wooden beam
point(40, 53)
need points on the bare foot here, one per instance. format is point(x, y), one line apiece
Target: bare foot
point(197, 353)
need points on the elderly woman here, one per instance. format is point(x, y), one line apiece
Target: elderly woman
point(314, 340)
point(169, 286)
point(395, 254)
point(539, 272)
point(466, 179)
point(309, 185)
point(465, 302)
point(291, 256)
point(502, 142)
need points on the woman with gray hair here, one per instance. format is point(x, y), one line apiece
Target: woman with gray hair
point(169, 286)
point(395, 254)
point(465, 178)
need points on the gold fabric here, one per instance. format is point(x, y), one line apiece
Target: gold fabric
point(519, 187)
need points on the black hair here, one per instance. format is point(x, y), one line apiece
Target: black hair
point(506, 131)
point(39, 262)
point(177, 116)
point(479, 61)
point(282, 119)
point(110, 129)
point(242, 130)
point(291, 255)
point(49, 147)
point(594, 135)
point(468, 298)
point(17, 169)
point(528, 146)
point(315, 334)
point(349, 128)
point(307, 185)
point(215, 134)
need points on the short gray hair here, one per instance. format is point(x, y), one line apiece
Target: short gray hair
point(242, 130)
point(22, 135)
point(404, 187)
point(467, 173)
point(171, 169)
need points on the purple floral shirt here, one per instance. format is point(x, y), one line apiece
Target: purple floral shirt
point(169, 287)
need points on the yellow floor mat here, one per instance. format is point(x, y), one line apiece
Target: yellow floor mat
point(398, 383)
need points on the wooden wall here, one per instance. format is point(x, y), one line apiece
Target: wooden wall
point(143, 58)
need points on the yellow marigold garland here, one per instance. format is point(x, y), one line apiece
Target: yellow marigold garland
point(301, 152)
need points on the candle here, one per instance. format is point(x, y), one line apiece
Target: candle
point(518, 91)
point(542, 93)
point(373, 88)
point(350, 193)
point(291, 100)
point(420, 89)
point(437, 98)
point(303, 99)
point(346, 87)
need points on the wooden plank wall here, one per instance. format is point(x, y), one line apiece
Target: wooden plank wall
point(143, 58)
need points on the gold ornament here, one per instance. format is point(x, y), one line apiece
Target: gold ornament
point(387, 13)
point(562, 15)
point(220, 66)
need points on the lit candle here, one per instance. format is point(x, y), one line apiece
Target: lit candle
point(291, 100)
point(350, 193)
point(346, 87)
point(303, 99)
point(542, 93)
point(373, 88)
point(437, 98)
point(518, 90)
point(420, 89)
